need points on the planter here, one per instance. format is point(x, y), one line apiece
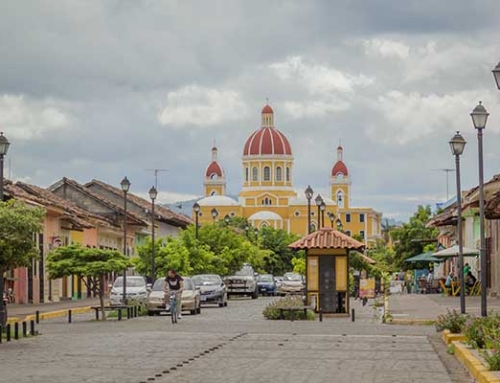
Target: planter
point(474, 365)
point(448, 337)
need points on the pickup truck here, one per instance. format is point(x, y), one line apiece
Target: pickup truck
point(243, 283)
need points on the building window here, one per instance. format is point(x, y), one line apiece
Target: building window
point(362, 234)
point(267, 173)
point(279, 176)
point(246, 174)
point(340, 199)
point(297, 213)
point(313, 227)
point(232, 214)
point(213, 193)
point(267, 201)
point(348, 217)
point(361, 217)
point(287, 174)
point(348, 232)
point(255, 174)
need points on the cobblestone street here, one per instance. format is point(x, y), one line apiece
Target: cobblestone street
point(233, 344)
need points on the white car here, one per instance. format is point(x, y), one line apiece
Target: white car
point(136, 290)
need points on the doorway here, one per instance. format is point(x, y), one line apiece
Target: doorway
point(327, 293)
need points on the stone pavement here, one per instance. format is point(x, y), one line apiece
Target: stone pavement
point(233, 344)
point(429, 306)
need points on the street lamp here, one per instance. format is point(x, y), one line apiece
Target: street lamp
point(246, 230)
point(153, 193)
point(319, 201)
point(496, 74)
point(309, 194)
point(332, 218)
point(479, 117)
point(322, 208)
point(196, 208)
point(227, 219)
point(457, 145)
point(214, 213)
point(125, 184)
point(340, 227)
point(4, 147)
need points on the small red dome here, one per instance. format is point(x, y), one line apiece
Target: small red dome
point(267, 109)
point(267, 141)
point(339, 167)
point(214, 169)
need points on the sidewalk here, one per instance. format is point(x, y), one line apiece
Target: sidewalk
point(429, 306)
point(17, 310)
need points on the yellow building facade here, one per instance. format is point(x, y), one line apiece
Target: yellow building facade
point(268, 198)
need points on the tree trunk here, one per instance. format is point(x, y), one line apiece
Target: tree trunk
point(3, 310)
point(101, 296)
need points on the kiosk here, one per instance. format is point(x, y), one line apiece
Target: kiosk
point(327, 269)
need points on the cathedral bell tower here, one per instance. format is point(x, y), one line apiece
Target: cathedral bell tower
point(215, 178)
point(340, 181)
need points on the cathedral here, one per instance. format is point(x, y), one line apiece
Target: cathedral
point(268, 198)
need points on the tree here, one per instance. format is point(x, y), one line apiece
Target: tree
point(91, 265)
point(277, 241)
point(18, 224)
point(408, 238)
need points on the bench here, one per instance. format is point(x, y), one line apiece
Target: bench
point(109, 308)
point(291, 310)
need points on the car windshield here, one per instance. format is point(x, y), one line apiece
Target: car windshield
point(158, 286)
point(200, 280)
point(293, 277)
point(131, 282)
point(265, 278)
point(245, 272)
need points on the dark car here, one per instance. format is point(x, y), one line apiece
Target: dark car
point(267, 284)
point(212, 289)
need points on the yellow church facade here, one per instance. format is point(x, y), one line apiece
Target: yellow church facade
point(268, 198)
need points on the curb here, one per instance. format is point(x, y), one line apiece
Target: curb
point(473, 365)
point(413, 322)
point(449, 338)
point(59, 313)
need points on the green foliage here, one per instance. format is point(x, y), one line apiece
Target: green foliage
point(481, 331)
point(453, 321)
point(276, 241)
point(272, 309)
point(18, 224)
point(492, 357)
point(406, 237)
point(299, 264)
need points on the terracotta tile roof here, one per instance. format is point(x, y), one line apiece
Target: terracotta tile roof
point(133, 218)
point(161, 212)
point(327, 238)
point(448, 217)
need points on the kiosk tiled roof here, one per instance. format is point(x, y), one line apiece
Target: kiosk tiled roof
point(327, 238)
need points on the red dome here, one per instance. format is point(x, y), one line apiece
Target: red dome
point(267, 109)
point(339, 167)
point(214, 169)
point(267, 141)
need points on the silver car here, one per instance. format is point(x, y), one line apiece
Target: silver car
point(136, 290)
point(212, 289)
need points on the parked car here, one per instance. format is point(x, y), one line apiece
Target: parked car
point(191, 301)
point(243, 283)
point(267, 284)
point(292, 284)
point(212, 289)
point(278, 281)
point(136, 290)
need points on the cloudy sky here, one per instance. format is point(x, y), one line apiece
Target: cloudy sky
point(104, 89)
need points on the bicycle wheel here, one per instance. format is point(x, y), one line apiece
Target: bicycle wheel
point(173, 311)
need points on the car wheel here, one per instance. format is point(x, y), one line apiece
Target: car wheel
point(193, 312)
point(255, 295)
point(151, 313)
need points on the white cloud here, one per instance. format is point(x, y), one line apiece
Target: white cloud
point(21, 118)
point(202, 107)
point(314, 108)
point(411, 116)
point(386, 48)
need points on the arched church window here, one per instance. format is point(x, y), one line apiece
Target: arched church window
point(279, 175)
point(213, 176)
point(287, 174)
point(246, 174)
point(267, 173)
point(213, 193)
point(340, 198)
point(255, 174)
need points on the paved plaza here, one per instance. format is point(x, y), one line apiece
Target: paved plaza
point(233, 344)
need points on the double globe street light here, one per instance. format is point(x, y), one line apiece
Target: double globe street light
point(309, 194)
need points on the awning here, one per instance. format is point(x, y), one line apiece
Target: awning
point(424, 257)
point(451, 252)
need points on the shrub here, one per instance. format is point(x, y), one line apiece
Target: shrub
point(492, 357)
point(452, 321)
point(483, 330)
point(272, 309)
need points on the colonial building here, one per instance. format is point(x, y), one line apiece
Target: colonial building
point(268, 197)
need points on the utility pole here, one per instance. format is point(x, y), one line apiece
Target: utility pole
point(447, 171)
point(156, 171)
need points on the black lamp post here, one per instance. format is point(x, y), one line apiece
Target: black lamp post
point(332, 218)
point(479, 117)
point(196, 208)
point(227, 219)
point(153, 193)
point(496, 74)
point(4, 147)
point(319, 201)
point(125, 184)
point(322, 208)
point(340, 227)
point(309, 194)
point(457, 145)
point(214, 213)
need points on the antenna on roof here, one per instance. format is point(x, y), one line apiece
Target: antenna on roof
point(447, 171)
point(156, 171)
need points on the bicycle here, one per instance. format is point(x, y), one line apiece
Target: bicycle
point(173, 306)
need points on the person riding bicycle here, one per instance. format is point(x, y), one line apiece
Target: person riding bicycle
point(173, 282)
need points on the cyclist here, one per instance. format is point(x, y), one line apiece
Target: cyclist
point(173, 282)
